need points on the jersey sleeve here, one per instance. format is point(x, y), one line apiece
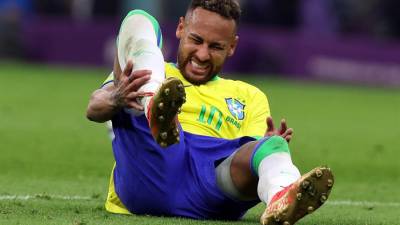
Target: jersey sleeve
point(258, 111)
point(109, 79)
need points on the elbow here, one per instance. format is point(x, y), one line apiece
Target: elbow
point(89, 115)
point(93, 116)
point(95, 119)
point(99, 109)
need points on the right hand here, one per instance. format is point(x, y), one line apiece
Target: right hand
point(126, 92)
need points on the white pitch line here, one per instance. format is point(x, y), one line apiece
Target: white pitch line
point(85, 198)
point(362, 203)
point(42, 196)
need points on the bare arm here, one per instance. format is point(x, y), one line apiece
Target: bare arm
point(105, 102)
point(102, 105)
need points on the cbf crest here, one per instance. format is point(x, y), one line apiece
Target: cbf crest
point(236, 108)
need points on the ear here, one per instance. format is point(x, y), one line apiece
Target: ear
point(233, 45)
point(180, 27)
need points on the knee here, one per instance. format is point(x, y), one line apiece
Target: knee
point(266, 147)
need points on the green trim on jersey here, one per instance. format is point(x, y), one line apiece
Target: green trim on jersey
point(269, 146)
point(216, 77)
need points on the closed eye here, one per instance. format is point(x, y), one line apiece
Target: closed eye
point(196, 39)
point(217, 47)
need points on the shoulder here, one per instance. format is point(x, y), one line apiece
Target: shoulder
point(170, 67)
point(243, 88)
point(171, 70)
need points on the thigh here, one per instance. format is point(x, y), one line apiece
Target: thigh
point(201, 195)
point(145, 175)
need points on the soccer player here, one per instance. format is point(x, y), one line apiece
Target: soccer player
point(219, 156)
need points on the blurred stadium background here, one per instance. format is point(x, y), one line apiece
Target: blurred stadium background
point(331, 67)
point(343, 40)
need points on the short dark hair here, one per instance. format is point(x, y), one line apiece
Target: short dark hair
point(229, 9)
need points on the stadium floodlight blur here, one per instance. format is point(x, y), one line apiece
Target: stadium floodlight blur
point(351, 41)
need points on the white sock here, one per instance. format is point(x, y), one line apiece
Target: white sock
point(275, 171)
point(145, 101)
point(137, 41)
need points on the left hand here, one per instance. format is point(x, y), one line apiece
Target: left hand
point(283, 131)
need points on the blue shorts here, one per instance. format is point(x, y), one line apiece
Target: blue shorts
point(176, 181)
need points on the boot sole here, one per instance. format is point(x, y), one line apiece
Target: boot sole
point(167, 104)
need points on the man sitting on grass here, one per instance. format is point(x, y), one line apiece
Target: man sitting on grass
point(190, 143)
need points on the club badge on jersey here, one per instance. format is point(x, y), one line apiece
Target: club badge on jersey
point(236, 108)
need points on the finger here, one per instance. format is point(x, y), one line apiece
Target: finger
point(135, 105)
point(139, 73)
point(121, 85)
point(287, 132)
point(270, 127)
point(129, 90)
point(128, 69)
point(288, 138)
point(270, 124)
point(283, 126)
point(133, 95)
point(137, 83)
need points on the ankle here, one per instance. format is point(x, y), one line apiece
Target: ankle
point(147, 102)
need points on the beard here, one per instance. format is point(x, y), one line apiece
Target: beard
point(184, 59)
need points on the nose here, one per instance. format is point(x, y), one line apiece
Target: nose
point(202, 53)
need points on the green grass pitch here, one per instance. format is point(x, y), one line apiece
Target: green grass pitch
point(50, 153)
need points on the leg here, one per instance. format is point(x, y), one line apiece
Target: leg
point(248, 160)
point(145, 175)
point(140, 40)
point(235, 177)
point(264, 168)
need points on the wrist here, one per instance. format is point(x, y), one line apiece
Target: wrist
point(115, 101)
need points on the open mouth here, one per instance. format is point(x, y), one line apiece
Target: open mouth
point(198, 67)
